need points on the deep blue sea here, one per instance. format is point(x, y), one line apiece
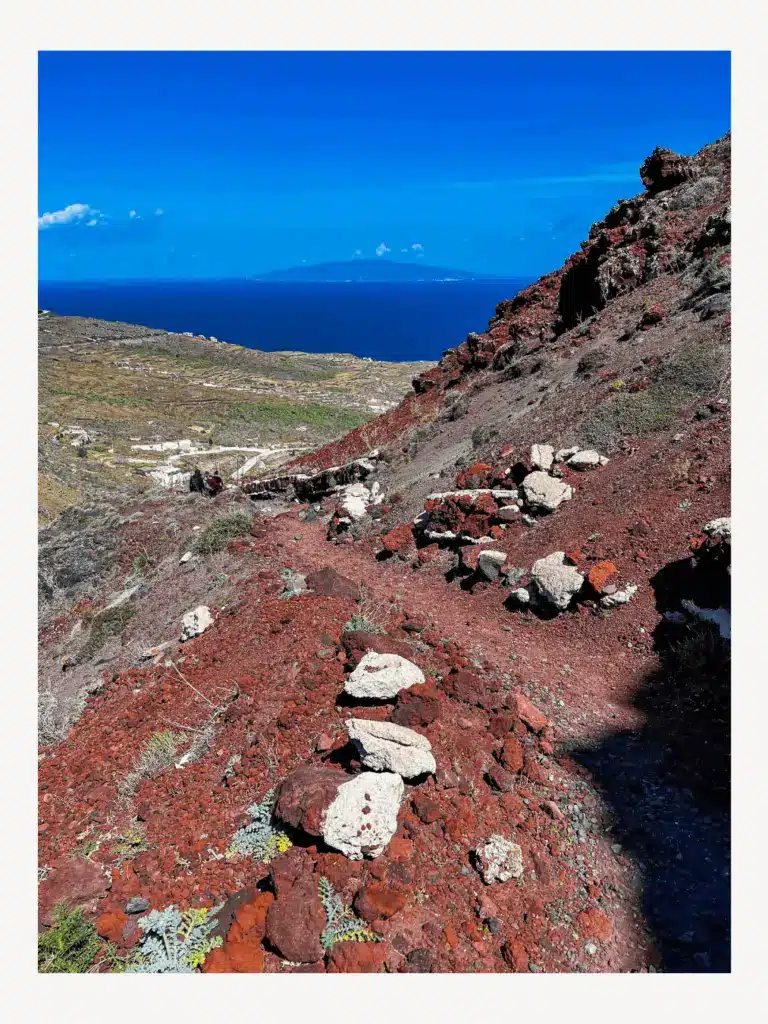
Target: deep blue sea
point(385, 321)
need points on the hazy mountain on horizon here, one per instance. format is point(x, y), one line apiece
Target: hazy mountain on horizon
point(375, 270)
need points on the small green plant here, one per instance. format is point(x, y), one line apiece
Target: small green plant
point(260, 839)
point(341, 923)
point(684, 505)
point(70, 945)
point(174, 941)
point(361, 623)
point(131, 842)
point(141, 562)
point(222, 529)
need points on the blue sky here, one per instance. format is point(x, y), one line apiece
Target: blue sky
point(195, 164)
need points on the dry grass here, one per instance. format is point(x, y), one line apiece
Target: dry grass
point(159, 753)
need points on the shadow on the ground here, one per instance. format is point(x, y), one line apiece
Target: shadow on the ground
point(668, 785)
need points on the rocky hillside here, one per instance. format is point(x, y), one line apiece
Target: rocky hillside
point(450, 694)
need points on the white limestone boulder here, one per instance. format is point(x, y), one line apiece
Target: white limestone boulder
point(499, 860)
point(545, 493)
point(386, 747)
point(196, 622)
point(555, 580)
point(382, 676)
point(362, 819)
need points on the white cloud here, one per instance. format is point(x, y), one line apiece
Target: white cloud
point(159, 211)
point(358, 252)
point(91, 223)
point(403, 250)
point(381, 249)
point(418, 247)
point(71, 214)
point(133, 215)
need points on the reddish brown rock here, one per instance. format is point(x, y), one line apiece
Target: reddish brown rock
point(465, 686)
point(357, 643)
point(400, 850)
point(305, 795)
point(512, 755)
point(296, 922)
point(476, 476)
point(111, 926)
point(399, 540)
point(599, 575)
point(426, 807)
point(529, 713)
point(594, 924)
point(500, 778)
point(515, 955)
point(356, 958)
point(251, 918)
point(417, 709)
point(377, 902)
point(284, 871)
point(78, 881)
point(332, 584)
point(501, 724)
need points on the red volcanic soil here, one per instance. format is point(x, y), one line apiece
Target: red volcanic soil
point(538, 724)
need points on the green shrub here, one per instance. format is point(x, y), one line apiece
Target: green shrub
point(362, 624)
point(695, 371)
point(174, 941)
point(342, 925)
point(222, 529)
point(70, 945)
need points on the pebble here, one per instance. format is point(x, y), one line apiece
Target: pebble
point(590, 948)
point(136, 905)
point(616, 847)
point(534, 968)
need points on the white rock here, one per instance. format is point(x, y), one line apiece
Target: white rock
point(490, 562)
point(185, 557)
point(508, 514)
point(381, 676)
point(436, 535)
point(196, 622)
point(123, 598)
point(499, 860)
point(566, 453)
point(719, 527)
point(528, 520)
point(587, 459)
point(522, 595)
point(500, 494)
point(363, 816)
point(354, 499)
point(556, 581)
point(386, 747)
point(544, 492)
point(620, 597)
point(542, 456)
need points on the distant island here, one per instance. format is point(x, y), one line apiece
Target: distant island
point(378, 270)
